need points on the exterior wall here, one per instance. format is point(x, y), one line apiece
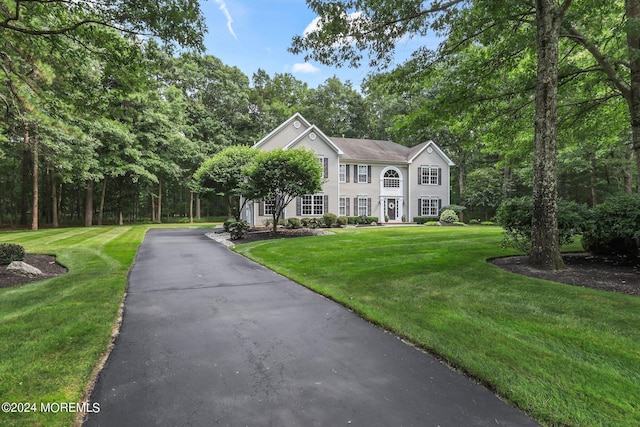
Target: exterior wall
point(441, 191)
point(287, 134)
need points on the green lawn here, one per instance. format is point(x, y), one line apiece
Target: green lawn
point(564, 354)
point(53, 332)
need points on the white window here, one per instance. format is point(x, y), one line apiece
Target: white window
point(342, 206)
point(313, 204)
point(391, 179)
point(362, 208)
point(343, 173)
point(429, 175)
point(363, 173)
point(429, 206)
point(269, 207)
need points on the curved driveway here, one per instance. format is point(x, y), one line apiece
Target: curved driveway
point(210, 338)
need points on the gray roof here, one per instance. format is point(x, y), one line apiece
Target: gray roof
point(376, 151)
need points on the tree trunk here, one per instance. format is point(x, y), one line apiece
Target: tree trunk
point(54, 200)
point(36, 208)
point(632, 9)
point(88, 205)
point(153, 209)
point(545, 247)
point(159, 215)
point(191, 208)
point(102, 197)
point(198, 210)
point(26, 171)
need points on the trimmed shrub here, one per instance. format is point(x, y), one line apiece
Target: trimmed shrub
point(515, 216)
point(431, 223)
point(474, 221)
point(456, 208)
point(424, 219)
point(329, 219)
point(227, 223)
point(305, 222)
point(237, 229)
point(342, 221)
point(614, 228)
point(449, 217)
point(294, 222)
point(10, 252)
point(313, 223)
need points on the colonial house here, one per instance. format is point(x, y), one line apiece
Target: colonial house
point(362, 177)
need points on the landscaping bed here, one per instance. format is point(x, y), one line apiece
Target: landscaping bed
point(45, 263)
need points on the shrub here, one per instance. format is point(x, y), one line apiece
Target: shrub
point(237, 229)
point(449, 216)
point(342, 221)
point(515, 216)
point(227, 223)
point(615, 227)
point(305, 222)
point(313, 223)
point(424, 219)
point(10, 252)
point(474, 221)
point(294, 222)
point(456, 208)
point(329, 219)
point(487, 223)
point(431, 223)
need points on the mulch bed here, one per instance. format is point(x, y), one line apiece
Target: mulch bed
point(283, 233)
point(615, 274)
point(45, 263)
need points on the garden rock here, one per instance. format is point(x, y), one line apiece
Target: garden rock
point(24, 269)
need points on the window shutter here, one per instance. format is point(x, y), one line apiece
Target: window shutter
point(355, 173)
point(419, 207)
point(420, 177)
point(347, 168)
point(326, 167)
point(369, 205)
point(439, 206)
point(355, 206)
point(299, 206)
point(369, 174)
point(261, 209)
point(326, 203)
point(347, 200)
point(439, 176)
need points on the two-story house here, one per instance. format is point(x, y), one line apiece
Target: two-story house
point(362, 177)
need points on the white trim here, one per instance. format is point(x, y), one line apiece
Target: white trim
point(436, 149)
point(313, 130)
point(295, 117)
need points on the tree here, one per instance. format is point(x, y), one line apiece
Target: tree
point(224, 173)
point(279, 176)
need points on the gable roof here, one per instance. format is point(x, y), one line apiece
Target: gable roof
point(296, 116)
point(384, 151)
point(319, 134)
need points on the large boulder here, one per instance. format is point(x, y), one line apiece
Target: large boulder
point(24, 269)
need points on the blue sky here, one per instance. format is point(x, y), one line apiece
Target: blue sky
point(253, 34)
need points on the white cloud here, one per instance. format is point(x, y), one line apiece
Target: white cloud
point(225, 11)
point(305, 68)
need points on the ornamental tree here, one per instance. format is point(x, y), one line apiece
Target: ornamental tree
point(281, 176)
point(224, 173)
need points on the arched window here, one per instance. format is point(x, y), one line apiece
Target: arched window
point(391, 179)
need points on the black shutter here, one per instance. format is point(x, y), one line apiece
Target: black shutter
point(439, 176)
point(439, 206)
point(420, 177)
point(369, 174)
point(355, 206)
point(348, 169)
point(326, 203)
point(348, 211)
point(419, 207)
point(326, 167)
point(355, 173)
point(369, 205)
point(299, 206)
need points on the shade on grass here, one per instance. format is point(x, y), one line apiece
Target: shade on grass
point(53, 332)
point(567, 355)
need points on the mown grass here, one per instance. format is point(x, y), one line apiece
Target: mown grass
point(566, 355)
point(53, 332)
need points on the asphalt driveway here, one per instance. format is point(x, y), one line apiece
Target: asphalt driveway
point(210, 338)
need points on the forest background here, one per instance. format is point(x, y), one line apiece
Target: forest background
point(105, 114)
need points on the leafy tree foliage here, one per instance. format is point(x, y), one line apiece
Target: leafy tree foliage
point(282, 175)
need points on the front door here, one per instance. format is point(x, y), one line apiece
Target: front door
point(392, 209)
